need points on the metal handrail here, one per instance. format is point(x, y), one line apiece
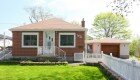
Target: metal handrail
point(4, 53)
point(57, 51)
point(6, 56)
point(64, 53)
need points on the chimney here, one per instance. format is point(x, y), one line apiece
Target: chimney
point(83, 23)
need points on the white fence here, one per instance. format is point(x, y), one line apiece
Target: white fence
point(78, 56)
point(5, 54)
point(88, 57)
point(129, 70)
point(95, 57)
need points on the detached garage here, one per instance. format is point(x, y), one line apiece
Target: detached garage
point(118, 48)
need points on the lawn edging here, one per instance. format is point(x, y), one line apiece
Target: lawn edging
point(42, 63)
point(30, 63)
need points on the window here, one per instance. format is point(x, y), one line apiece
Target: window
point(67, 39)
point(30, 39)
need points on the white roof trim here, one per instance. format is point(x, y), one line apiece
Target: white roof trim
point(48, 29)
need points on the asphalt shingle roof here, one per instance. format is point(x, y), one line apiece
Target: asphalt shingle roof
point(50, 24)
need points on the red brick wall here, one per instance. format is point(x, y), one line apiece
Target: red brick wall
point(80, 43)
point(17, 45)
point(19, 51)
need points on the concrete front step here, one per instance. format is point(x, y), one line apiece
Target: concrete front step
point(46, 55)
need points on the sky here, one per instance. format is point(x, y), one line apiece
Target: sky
point(13, 12)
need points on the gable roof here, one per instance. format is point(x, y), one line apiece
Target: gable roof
point(50, 24)
point(107, 40)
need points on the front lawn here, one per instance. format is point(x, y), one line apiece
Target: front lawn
point(16, 72)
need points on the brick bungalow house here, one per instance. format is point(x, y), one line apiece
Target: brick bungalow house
point(52, 37)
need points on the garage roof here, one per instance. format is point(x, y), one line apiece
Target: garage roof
point(107, 40)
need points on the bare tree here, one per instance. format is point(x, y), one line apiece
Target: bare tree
point(123, 7)
point(75, 23)
point(37, 14)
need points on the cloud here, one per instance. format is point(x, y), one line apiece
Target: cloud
point(38, 2)
point(78, 9)
point(134, 20)
point(88, 9)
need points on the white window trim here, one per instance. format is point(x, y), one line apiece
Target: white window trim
point(30, 33)
point(67, 34)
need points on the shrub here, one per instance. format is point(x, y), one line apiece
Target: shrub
point(15, 59)
point(135, 48)
point(35, 59)
point(48, 59)
point(9, 62)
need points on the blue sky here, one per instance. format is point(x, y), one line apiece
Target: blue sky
point(13, 12)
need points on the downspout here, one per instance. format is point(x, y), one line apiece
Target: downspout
point(85, 45)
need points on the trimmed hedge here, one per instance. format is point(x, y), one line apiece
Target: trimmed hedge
point(9, 62)
point(42, 63)
point(35, 59)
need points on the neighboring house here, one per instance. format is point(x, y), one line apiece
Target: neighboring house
point(51, 37)
point(7, 42)
point(118, 48)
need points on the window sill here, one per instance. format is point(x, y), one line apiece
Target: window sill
point(67, 46)
point(29, 46)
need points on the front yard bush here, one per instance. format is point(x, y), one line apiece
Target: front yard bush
point(9, 62)
point(34, 59)
point(50, 59)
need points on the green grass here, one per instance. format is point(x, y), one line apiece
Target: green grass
point(16, 72)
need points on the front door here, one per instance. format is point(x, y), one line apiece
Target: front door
point(50, 42)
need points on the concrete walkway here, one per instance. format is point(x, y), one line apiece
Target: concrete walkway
point(75, 64)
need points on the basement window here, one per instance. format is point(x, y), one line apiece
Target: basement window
point(67, 40)
point(30, 39)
